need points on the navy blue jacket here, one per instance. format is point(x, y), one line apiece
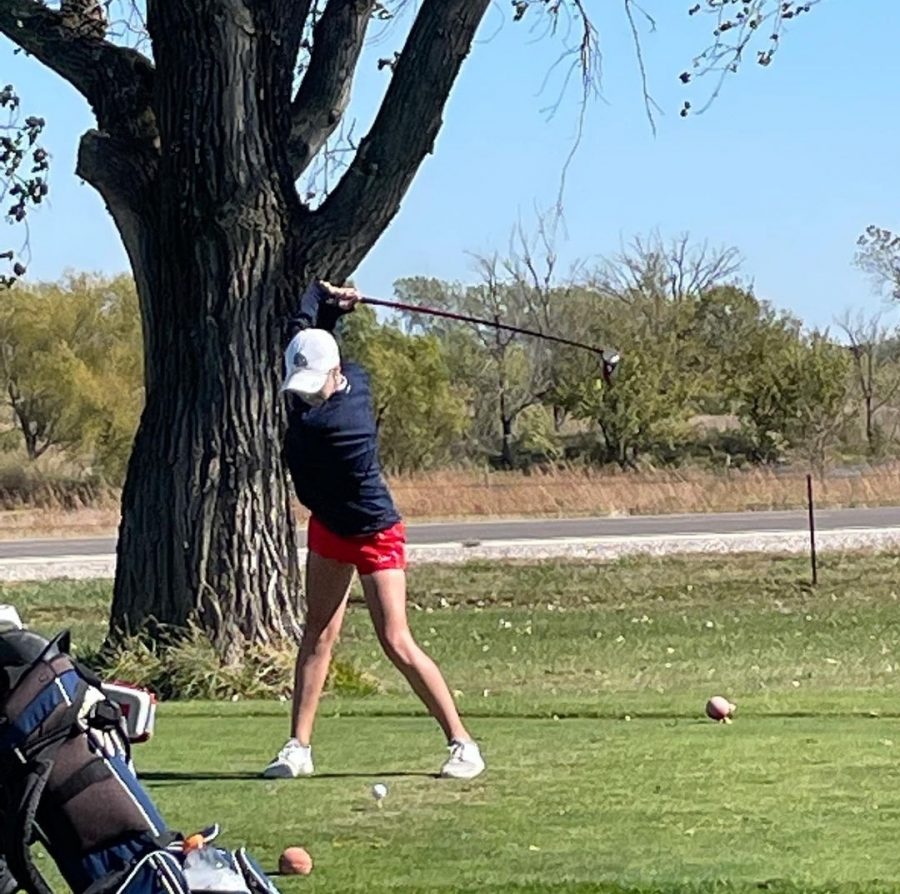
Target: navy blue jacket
point(332, 450)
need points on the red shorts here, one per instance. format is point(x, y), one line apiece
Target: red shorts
point(367, 552)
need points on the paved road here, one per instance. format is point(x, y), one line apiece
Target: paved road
point(546, 529)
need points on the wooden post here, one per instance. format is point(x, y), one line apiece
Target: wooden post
point(812, 529)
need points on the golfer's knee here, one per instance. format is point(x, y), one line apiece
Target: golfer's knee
point(400, 647)
point(318, 638)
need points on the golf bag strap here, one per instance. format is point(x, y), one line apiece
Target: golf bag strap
point(41, 758)
point(19, 855)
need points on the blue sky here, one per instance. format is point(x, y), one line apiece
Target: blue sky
point(789, 164)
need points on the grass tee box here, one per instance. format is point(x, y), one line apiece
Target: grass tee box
point(586, 684)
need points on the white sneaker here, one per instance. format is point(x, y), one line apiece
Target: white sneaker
point(292, 761)
point(465, 761)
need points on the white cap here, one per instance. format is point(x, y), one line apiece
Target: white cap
point(310, 356)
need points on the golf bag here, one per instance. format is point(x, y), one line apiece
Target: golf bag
point(67, 781)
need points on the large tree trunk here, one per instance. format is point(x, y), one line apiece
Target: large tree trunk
point(205, 509)
point(195, 154)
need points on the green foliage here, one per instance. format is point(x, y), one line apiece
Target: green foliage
point(420, 409)
point(695, 342)
point(642, 412)
point(537, 436)
point(185, 665)
point(71, 368)
point(715, 351)
point(647, 410)
point(506, 374)
point(793, 393)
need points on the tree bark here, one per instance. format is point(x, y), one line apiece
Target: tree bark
point(870, 424)
point(506, 449)
point(206, 506)
point(324, 93)
point(38, 437)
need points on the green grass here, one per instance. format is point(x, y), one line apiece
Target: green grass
point(801, 793)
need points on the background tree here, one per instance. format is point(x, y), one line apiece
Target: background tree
point(645, 414)
point(196, 153)
point(508, 374)
point(652, 300)
point(421, 412)
point(71, 368)
point(876, 370)
point(793, 393)
point(878, 255)
point(726, 321)
point(822, 382)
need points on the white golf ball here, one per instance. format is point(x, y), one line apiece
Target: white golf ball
point(379, 791)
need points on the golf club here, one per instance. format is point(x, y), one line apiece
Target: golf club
point(609, 358)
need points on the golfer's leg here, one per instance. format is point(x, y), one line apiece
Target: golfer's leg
point(385, 593)
point(327, 586)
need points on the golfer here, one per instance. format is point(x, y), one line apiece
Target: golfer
point(331, 451)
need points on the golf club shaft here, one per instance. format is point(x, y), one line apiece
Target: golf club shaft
point(465, 318)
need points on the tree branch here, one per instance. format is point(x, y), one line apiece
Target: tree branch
point(116, 81)
point(125, 176)
point(368, 196)
point(324, 92)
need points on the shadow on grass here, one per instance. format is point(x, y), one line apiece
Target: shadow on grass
point(588, 714)
point(563, 714)
point(163, 776)
point(711, 886)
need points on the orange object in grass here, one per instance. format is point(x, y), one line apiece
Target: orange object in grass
point(193, 843)
point(295, 861)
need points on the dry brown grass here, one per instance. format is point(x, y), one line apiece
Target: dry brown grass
point(608, 492)
point(21, 523)
point(471, 494)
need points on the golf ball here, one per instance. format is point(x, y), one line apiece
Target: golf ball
point(379, 791)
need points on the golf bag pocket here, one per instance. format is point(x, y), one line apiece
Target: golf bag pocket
point(257, 880)
point(158, 872)
point(208, 870)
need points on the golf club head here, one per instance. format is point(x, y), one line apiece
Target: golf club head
point(609, 360)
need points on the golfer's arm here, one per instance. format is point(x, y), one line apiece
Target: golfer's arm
point(313, 312)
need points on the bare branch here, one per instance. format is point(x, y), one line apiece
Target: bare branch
point(583, 52)
point(877, 375)
point(368, 196)
point(584, 57)
point(116, 81)
point(118, 21)
point(677, 271)
point(650, 104)
point(736, 27)
point(324, 92)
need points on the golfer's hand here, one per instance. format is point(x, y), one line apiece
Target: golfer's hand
point(341, 297)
